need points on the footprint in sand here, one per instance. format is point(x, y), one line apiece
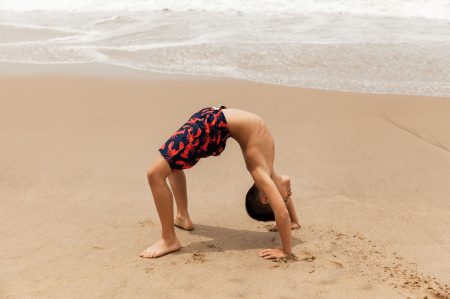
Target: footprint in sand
point(196, 258)
point(335, 264)
point(218, 248)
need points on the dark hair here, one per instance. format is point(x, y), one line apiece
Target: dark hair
point(255, 208)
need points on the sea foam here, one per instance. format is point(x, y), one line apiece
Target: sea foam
point(379, 46)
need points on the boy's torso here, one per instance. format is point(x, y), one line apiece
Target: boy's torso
point(253, 136)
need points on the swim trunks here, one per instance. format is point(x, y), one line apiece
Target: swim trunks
point(203, 135)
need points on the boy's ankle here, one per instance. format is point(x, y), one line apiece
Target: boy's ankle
point(169, 238)
point(182, 216)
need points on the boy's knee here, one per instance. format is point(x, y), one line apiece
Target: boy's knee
point(159, 171)
point(153, 175)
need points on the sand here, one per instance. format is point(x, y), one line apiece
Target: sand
point(370, 179)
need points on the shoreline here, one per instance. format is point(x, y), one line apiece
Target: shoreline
point(95, 70)
point(101, 70)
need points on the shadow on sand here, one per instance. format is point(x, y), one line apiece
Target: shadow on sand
point(224, 239)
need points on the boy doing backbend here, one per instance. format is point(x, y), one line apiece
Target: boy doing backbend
point(203, 135)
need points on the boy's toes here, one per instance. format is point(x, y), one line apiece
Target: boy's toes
point(149, 252)
point(144, 254)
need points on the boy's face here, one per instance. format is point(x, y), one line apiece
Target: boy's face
point(264, 200)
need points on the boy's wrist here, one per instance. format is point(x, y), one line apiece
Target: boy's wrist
point(287, 251)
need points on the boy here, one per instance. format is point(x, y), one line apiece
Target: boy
point(203, 135)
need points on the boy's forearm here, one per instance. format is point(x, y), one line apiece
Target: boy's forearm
point(284, 229)
point(282, 218)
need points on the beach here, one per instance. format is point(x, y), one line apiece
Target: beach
point(370, 179)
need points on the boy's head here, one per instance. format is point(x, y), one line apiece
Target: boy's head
point(257, 206)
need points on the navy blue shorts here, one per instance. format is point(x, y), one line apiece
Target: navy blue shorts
point(203, 135)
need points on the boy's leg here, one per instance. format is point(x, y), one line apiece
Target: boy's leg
point(295, 224)
point(163, 198)
point(178, 183)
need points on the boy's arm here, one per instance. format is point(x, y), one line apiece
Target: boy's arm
point(267, 186)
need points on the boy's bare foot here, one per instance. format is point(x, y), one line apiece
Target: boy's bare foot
point(295, 225)
point(160, 248)
point(183, 223)
point(287, 183)
point(284, 185)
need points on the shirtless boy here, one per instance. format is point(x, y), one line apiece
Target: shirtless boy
point(203, 135)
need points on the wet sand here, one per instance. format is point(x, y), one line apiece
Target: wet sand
point(370, 179)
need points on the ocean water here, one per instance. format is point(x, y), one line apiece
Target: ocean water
point(379, 46)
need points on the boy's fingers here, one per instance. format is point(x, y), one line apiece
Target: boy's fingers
point(265, 254)
point(269, 254)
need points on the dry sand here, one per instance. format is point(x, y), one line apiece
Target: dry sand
point(370, 179)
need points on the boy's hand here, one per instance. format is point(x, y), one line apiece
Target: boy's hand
point(272, 253)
